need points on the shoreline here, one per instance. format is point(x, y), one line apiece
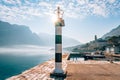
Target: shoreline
point(40, 71)
point(76, 70)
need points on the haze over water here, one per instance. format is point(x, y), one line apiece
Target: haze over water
point(15, 61)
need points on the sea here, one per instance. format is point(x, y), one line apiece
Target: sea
point(15, 61)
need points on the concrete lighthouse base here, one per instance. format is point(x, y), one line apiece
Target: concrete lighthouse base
point(58, 72)
point(58, 75)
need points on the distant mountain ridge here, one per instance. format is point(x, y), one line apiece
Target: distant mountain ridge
point(113, 32)
point(12, 34)
point(16, 35)
point(107, 40)
point(49, 39)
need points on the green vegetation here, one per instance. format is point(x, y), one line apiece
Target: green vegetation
point(114, 40)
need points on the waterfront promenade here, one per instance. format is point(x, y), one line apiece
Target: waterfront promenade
point(76, 70)
point(93, 70)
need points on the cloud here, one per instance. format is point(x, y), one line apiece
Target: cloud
point(98, 9)
point(111, 1)
point(15, 9)
point(44, 4)
point(18, 13)
point(9, 1)
point(81, 2)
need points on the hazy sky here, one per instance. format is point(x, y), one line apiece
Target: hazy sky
point(83, 18)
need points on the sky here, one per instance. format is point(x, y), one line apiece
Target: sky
point(83, 18)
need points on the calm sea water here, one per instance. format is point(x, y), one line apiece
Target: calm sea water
point(15, 63)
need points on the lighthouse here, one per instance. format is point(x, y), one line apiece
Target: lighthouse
point(58, 71)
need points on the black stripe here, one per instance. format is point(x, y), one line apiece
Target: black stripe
point(58, 57)
point(58, 39)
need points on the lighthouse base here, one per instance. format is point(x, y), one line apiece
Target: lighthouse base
point(58, 71)
point(58, 75)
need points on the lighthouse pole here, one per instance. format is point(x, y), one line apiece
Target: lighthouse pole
point(58, 71)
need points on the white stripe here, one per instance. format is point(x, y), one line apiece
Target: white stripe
point(58, 48)
point(58, 68)
point(58, 30)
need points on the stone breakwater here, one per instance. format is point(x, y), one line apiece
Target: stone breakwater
point(76, 70)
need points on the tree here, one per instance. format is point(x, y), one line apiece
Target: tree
point(114, 40)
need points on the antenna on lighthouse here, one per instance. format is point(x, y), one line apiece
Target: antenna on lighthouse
point(59, 13)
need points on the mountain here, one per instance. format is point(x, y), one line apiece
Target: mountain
point(112, 37)
point(113, 32)
point(12, 34)
point(50, 40)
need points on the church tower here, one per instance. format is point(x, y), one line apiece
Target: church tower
point(95, 37)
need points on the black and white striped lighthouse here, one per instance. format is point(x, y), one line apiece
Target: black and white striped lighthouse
point(58, 42)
